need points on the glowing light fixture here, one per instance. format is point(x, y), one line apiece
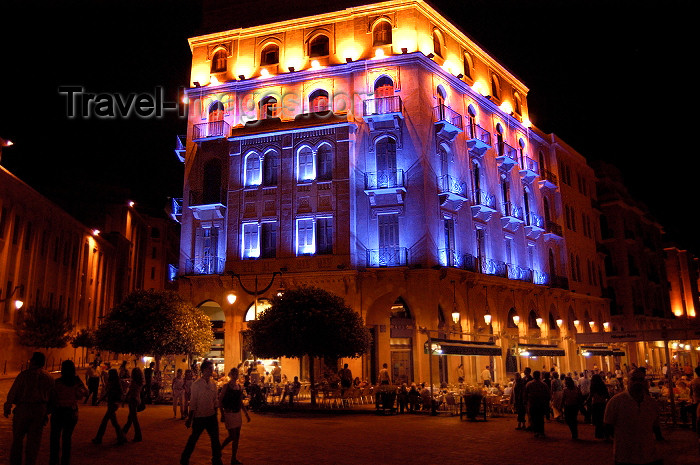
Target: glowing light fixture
point(315, 64)
point(697, 348)
point(539, 321)
point(678, 312)
point(379, 53)
point(559, 322)
point(687, 347)
point(674, 345)
point(576, 323)
point(606, 325)
point(525, 353)
point(506, 107)
point(231, 298)
point(516, 320)
point(264, 72)
point(18, 304)
point(526, 122)
point(95, 232)
point(455, 317)
point(487, 318)
point(185, 100)
point(591, 324)
point(131, 203)
point(586, 353)
point(213, 81)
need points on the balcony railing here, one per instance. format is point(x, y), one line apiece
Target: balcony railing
point(493, 267)
point(534, 220)
point(211, 130)
point(477, 133)
point(505, 150)
point(388, 256)
point(175, 209)
point(553, 228)
point(386, 179)
point(382, 106)
point(450, 185)
point(443, 113)
point(519, 273)
point(452, 258)
point(483, 198)
point(547, 175)
point(513, 211)
point(181, 147)
point(204, 265)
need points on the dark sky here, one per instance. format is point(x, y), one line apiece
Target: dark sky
point(612, 78)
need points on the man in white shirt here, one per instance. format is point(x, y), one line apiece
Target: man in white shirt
point(486, 376)
point(202, 416)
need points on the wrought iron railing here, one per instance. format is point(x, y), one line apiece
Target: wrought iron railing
point(519, 273)
point(553, 228)
point(481, 197)
point(505, 150)
point(387, 256)
point(445, 113)
point(176, 205)
point(386, 179)
point(549, 176)
point(204, 265)
point(211, 129)
point(493, 267)
point(476, 132)
point(512, 210)
point(533, 219)
point(452, 185)
point(529, 164)
point(382, 106)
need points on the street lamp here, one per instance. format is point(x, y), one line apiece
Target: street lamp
point(18, 302)
point(231, 297)
point(4, 143)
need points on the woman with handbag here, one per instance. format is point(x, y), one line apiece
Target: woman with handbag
point(133, 398)
point(231, 404)
point(69, 390)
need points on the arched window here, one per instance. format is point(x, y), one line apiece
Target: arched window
point(444, 154)
point(437, 44)
point(306, 169)
point(253, 312)
point(218, 61)
point(471, 121)
point(526, 205)
point(500, 140)
point(270, 55)
point(468, 65)
point(324, 155)
point(382, 33)
point(510, 323)
point(476, 181)
point(385, 151)
point(552, 266)
point(495, 87)
point(252, 169)
point(532, 320)
point(505, 192)
point(270, 167)
point(384, 87)
point(543, 162)
point(268, 108)
point(318, 101)
point(216, 111)
point(400, 309)
point(518, 107)
point(440, 96)
point(553, 322)
point(319, 46)
point(211, 185)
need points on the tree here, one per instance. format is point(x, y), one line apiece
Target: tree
point(86, 339)
point(156, 323)
point(309, 321)
point(45, 328)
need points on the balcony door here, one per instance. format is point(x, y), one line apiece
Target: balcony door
point(449, 227)
point(388, 230)
point(386, 162)
point(383, 91)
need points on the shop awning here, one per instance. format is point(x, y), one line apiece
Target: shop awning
point(539, 350)
point(458, 347)
point(600, 351)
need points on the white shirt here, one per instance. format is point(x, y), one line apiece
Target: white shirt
point(634, 438)
point(486, 375)
point(204, 400)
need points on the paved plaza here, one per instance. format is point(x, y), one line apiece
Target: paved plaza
point(343, 438)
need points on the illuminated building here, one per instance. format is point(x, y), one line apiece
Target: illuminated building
point(381, 154)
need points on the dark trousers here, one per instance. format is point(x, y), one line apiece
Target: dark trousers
point(537, 418)
point(133, 419)
point(110, 416)
point(597, 412)
point(199, 424)
point(63, 421)
point(27, 421)
point(571, 417)
point(93, 388)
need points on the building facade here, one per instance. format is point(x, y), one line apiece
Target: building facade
point(379, 153)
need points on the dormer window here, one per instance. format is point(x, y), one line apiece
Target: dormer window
point(437, 44)
point(318, 101)
point(218, 61)
point(382, 33)
point(270, 55)
point(319, 46)
point(268, 108)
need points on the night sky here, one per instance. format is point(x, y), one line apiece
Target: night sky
point(612, 78)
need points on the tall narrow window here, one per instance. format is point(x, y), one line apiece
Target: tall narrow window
point(268, 108)
point(437, 44)
point(305, 236)
point(305, 165)
point(252, 170)
point(468, 64)
point(444, 155)
point(318, 101)
point(500, 141)
point(518, 106)
point(251, 244)
point(270, 167)
point(449, 228)
point(388, 235)
point(319, 46)
point(216, 111)
point(268, 240)
point(324, 236)
point(386, 162)
point(218, 61)
point(270, 55)
point(495, 87)
point(384, 87)
point(382, 33)
point(324, 154)
point(211, 192)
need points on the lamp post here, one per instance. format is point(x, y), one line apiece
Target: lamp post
point(231, 297)
point(18, 302)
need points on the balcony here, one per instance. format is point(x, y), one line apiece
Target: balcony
point(383, 110)
point(454, 259)
point(204, 265)
point(181, 147)
point(553, 231)
point(506, 156)
point(529, 169)
point(451, 191)
point(448, 123)
point(385, 187)
point(548, 180)
point(175, 210)
point(386, 257)
point(534, 225)
point(210, 131)
point(483, 205)
point(209, 204)
point(512, 217)
point(478, 140)
point(519, 273)
point(493, 267)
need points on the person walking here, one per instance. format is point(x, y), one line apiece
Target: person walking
point(345, 378)
point(538, 397)
point(519, 400)
point(64, 416)
point(113, 394)
point(584, 384)
point(187, 386)
point(202, 415)
point(148, 377)
point(133, 399)
point(179, 394)
point(571, 398)
point(633, 415)
point(92, 377)
point(31, 393)
point(384, 377)
point(231, 403)
point(486, 376)
point(597, 399)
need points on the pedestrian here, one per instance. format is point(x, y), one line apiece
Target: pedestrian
point(597, 399)
point(148, 378)
point(276, 373)
point(31, 393)
point(571, 398)
point(179, 394)
point(92, 377)
point(113, 394)
point(557, 388)
point(633, 415)
point(695, 399)
point(133, 399)
point(486, 376)
point(584, 384)
point(202, 415)
point(187, 386)
point(231, 403)
point(538, 397)
point(402, 398)
point(64, 416)
point(345, 378)
point(519, 400)
point(384, 377)
point(459, 373)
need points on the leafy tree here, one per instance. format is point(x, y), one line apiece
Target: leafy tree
point(309, 321)
point(156, 323)
point(85, 338)
point(45, 328)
